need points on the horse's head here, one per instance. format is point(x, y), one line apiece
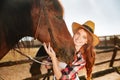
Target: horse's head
point(52, 28)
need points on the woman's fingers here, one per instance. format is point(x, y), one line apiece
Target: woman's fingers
point(49, 45)
point(45, 46)
point(49, 50)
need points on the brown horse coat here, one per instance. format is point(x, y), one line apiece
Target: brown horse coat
point(41, 19)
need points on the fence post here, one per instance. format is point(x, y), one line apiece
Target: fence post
point(113, 56)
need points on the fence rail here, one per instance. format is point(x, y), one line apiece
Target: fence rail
point(12, 63)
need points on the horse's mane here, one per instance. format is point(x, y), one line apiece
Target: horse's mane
point(16, 21)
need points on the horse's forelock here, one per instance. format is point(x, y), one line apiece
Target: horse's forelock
point(55, 6)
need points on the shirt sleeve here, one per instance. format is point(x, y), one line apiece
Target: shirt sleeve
point(70, 72)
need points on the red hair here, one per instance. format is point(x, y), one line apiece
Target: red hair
point(88, 53)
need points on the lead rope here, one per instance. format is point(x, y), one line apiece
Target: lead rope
point(29, 57)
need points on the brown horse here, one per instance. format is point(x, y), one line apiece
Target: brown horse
point(41, 19)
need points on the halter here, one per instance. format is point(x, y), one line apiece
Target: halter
point(37, 34)
point(43, 9)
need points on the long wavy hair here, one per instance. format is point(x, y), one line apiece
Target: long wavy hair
point(88, 53)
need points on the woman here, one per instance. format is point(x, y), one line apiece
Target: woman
point(85, 40)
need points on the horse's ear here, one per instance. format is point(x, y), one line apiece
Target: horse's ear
point(58, 7)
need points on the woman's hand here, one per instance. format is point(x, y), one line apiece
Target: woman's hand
point(52, 54)
point(49, 50)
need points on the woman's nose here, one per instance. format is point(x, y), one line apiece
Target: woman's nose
point(79, 37)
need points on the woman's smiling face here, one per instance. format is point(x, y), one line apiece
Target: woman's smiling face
point(80, 38)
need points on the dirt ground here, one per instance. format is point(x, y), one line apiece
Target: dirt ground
point(20, 72)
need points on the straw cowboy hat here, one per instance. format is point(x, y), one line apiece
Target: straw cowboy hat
point(88, 26)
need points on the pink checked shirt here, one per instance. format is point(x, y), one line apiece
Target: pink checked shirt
point(70, 72)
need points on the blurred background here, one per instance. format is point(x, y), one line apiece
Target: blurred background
point(105, 14)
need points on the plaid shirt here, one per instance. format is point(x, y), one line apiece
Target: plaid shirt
point(70, 72)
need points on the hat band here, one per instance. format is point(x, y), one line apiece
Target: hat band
point(88, 28)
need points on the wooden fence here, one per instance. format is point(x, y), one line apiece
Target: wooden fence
point(97, 74)
point(107, 42)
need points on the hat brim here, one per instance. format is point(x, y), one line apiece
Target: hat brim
point(76, 26)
